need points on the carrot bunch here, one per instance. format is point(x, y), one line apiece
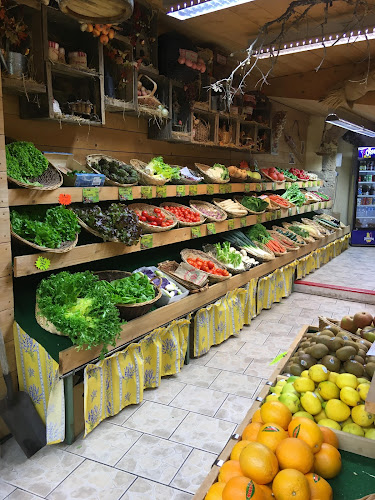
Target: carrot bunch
point(279, 200)
point(105, 32)
point(275, 246)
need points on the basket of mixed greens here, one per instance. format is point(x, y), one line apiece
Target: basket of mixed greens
point(117, 173)
point(112, 223)
point(253, 204)
point(170, 290)
point(235, 261)
point(218, 174)
point(156, 172)
point(133, 293)
point(28, 167)
point(48, 229)
point(303, 233)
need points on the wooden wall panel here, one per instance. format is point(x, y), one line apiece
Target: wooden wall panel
point(5, 261)
point(6, 322)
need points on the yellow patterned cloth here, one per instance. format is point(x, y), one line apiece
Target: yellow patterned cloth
point(118, 381)
point(275, 286)
point(250, 301)
point(38, 375)
point(217, 322)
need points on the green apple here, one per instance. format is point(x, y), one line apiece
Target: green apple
point(291, 401)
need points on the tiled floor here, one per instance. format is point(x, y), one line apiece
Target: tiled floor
point(163, 448)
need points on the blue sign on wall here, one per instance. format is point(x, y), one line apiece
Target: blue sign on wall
point(363, 237)
point(366, 152)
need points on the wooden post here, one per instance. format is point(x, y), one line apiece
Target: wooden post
point(6, 284)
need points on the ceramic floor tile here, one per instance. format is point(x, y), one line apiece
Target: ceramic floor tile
point(259, 351)
point(234, 408)
point(202, 360)
point(167, 390)
point(193, 374)
point(280, 341)
point(253, 336)
point(229, 362)
point(193, 472)
point(143, 489)
point(236, 383)
point(39, 474)
point(120, 418)
point(154, 458)
point(22, 495)
point(231, 345)
point(105, 444)
point(5, 490)
point(156, 419)
point(93, 481)
point(260, 368)
point(197, 431)
point(199, 399)
point(270, 327)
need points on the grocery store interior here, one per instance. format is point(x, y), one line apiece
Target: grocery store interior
point(187, 228)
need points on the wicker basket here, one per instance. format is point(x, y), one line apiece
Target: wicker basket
point(284, 239)
point(129, 311)
point(300, 241)
point(201, 130)
point(180, 222)
point(281, 207)
point(169, 267)
point(44, 323)
point(268, 254)
point(146, 179)
point(196, 204)
point(150, 101)
point(146, 228)
point(211, 251)
point(308, 239)
point(97, 11)
point(218, 201)
point(239, 200)
point(202, 169)
point(92, 160)
point(96, 233)
point(51, 179)
point(323, 230)
point(188, 253)
point(184, 180)
point(266, 176)
point(324, 322)
point(66, 246)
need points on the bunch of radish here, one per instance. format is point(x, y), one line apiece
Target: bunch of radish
point(105, 32)
point(199, 65)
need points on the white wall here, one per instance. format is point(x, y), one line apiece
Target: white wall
point(343, 206)
point(314, 137)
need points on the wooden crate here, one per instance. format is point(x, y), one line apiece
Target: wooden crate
point(348, 442)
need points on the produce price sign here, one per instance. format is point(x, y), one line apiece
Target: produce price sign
point(228, 188)
point(319, 205)
point(90, 195)
point(247, 188)
point(268, 216)
point(290, 211)
point(210, 189)
point(196, 232)
point(125, 194)
point(230, 224)
point(287, 185)
point(222, 189)
point(193, 190)
point(243, 222)
point(259, 219)
point(180, 190)
point(146, 192)
point(161, 191)
point(278, 214)
point(65, 199)
point(146, 241)
point(258, 187)
point(274, 186)
point(264, 186)
point(42, 263)
point(211, 228)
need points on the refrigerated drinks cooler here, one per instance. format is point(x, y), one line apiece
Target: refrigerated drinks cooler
point(364, 209)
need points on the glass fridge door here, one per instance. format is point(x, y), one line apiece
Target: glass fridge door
point(364, 219)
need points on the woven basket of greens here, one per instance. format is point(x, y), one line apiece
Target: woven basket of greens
point(156, 172)
point(235, 261)
point(27, 167)
point(117, 173)
point(218, 174)
point(305, 235)
point(253, 204)
point(48, 229)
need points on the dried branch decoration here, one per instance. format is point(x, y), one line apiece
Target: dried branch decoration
point(294, 16)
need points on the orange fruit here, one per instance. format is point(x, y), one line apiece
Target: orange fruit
point(329, 436)
point(327, 462)
point(257, 417)
point(293, 453)
point(229, 469)
point(320, 489)
point(267, 491)
point(237, 448)
point(215, 492)
point(250, 432)
point(290, 484)
point(259, 463)
point(307, 430)
point(276, 413)
point(241, 488)
point(271, 435)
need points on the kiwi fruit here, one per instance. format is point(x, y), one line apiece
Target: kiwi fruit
point(331, 363)
point(333, 328)
point(352, 344)
point(352, 366)
point(335, 344)
point(359, 359)
point(296, 369)
point(305, 345)
point(343, 335)
point(318, 351)
point(364, 344)
point(327, 332)
point(361, 353)
point(307, 361)
point(323, 339)
point(345, 353)
point(370, 369)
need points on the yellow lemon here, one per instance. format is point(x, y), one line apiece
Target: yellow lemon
point(304, 384)
point(318, 373)
point(328, 422)
point(347, 421)
point(311, 403)
point(281, 382)
point(370, 434)
point(320, 416)
point(363, 391)
point(349, 396)
point(353, 429)
point(289, 389)
point(337, 410)
point(276, 389)
point(305, 373)
point(346, 380)
point(332, 377)
point(303, 414)
point(362, 380)
point(272, 397)
point(328, 390)
point(361, 417)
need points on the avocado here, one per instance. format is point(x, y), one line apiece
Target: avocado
point(345, 353)
point(354, 367)
point(318, 351)
point(331, 363)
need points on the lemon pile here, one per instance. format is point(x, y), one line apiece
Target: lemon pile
point(329, 398)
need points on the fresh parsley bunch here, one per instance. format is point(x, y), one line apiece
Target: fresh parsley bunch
point(25, 161)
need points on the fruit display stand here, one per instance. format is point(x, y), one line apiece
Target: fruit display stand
point(358, 453)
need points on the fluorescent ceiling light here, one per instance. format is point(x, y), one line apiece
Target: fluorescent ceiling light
point(317, 42)
point(335, 120)
point(194, 8)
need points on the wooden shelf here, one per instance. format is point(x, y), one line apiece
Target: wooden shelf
point(21, 196)
point(66, 70)
point(24, 265)
point(21, 87)
point(113, 105)
point(72, 358)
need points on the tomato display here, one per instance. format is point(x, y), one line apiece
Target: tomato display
point(183, 214)
point(156, 219)
point(207, 266)
point(273, 174)
point(301, 174)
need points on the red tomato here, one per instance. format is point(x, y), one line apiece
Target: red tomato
point(210, 265)
point(144, 213)
point(157, 210)
point(153, 223)
point(142, 218)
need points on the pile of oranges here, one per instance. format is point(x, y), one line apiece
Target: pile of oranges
point(279, 457)
point(104, 32)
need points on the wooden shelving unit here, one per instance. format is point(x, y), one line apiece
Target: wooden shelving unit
point(20, 87)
